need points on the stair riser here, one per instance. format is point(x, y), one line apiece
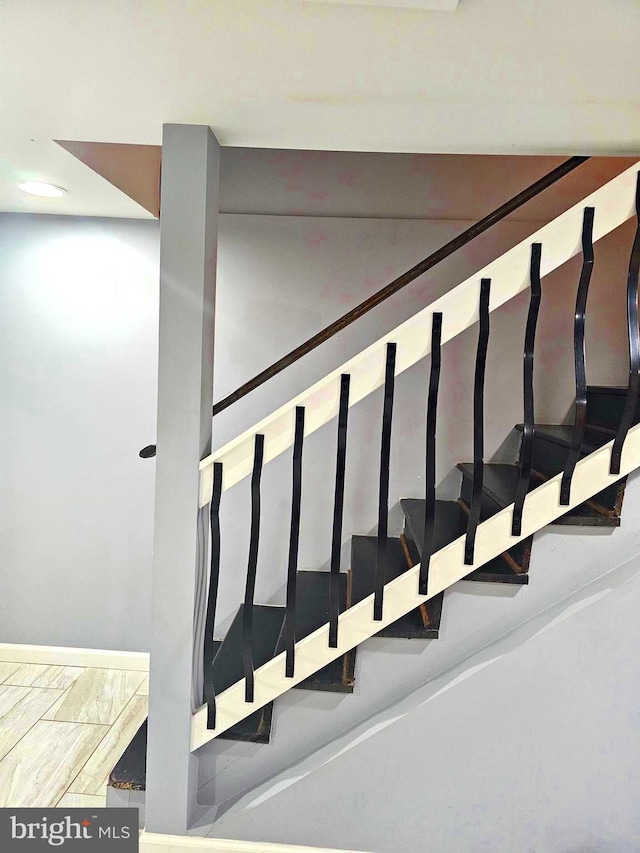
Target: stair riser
point(312, 611)
point(434, 605)
point(604, 409)
point(412, 625)
point(518, 556)
point(549, 459)
point(496, 571)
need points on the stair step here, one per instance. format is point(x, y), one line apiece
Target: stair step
point(312, 611)
point(130, 773)
point(562, 434)
point(501, 487)
point(450, 523)
point(550, 448)
point(604, 406)
point(498, 491)
point(228, 667)
point(422, 623)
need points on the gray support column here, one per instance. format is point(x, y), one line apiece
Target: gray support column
point(188, 241)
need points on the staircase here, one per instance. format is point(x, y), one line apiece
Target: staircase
point(563, 474)
point(568, 474)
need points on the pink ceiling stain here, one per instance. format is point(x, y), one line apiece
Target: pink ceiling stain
point(318, 238)
point(353, 291)
point(312, 175)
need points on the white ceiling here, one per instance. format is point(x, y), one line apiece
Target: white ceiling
point(495, 76)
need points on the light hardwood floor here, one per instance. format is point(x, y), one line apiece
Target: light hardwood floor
point(62, 730)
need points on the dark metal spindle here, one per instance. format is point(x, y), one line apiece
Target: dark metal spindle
point(528, 435)
point(294, 540)
point(383, 499)
point(247, 613)
point(430, 475)
point(631, 400)
point(214, 574)
point(338, 505)
point(579, 323)
point(478, 422)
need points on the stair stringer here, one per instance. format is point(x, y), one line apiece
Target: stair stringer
point(401, 596)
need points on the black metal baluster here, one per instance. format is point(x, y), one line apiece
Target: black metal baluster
point(383, 499)
point(478, 421)
point(631, 400)
point(579, 356)
point(338, 505)
point(294, 540)
point(214, 574)
point(528, 434)
point(430, 471)
point(247, 613)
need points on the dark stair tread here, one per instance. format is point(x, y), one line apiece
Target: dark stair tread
point(500, 481)
point(228, 667)
point(130, 773)
point(562, 434)
point(550, 449)
point(420, 623)
point(312, 612)
point(450, 524)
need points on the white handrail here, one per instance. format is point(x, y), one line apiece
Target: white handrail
point(561, 240)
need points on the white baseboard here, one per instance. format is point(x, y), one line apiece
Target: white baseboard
point(151, 842)
point(67, 656)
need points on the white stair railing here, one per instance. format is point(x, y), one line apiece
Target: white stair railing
point(447, 566)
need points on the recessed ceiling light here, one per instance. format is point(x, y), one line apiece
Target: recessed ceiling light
point(41, 189)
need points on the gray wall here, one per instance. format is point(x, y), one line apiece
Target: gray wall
point(517, 730)
point(78, 373)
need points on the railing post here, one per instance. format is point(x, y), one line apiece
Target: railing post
point(188, 239)
point(430, 455)
point(212, 596)
point(252, 566)
point(383, 493)
point(338, 506)
point(579, 355)
point(528, 435)
point(478, 421)
point(294, 541)
point(633, 333)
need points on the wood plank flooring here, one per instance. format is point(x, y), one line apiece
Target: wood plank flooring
point(40, 768)
point(44, 675)
point(62, 729)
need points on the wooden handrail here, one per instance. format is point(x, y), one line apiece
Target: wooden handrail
point(400, 282)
